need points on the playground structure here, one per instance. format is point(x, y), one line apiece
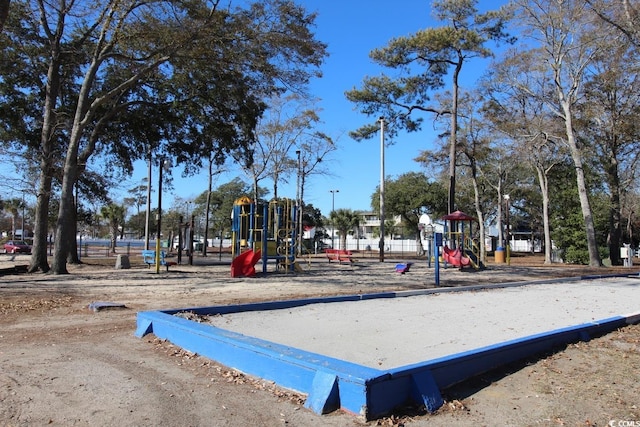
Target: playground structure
point(461, 250)
point(262, 233)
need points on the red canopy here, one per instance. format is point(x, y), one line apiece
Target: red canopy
point(458, 216)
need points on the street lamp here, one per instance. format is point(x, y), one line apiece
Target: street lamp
point(508, 238)
point(333, 201)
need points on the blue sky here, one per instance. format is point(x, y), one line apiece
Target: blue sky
point(351, 29)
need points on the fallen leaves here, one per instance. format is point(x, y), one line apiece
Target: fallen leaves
point(35, 305)
point(226, 374)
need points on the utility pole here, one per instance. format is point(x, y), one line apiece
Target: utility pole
point(381, 244)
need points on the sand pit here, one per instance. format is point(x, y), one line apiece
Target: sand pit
point(386, 333)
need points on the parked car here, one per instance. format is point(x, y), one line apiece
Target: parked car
point(17, 247)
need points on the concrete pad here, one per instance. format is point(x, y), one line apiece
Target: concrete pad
point(104, 305)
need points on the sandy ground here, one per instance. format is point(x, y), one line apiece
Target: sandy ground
point(62, 364)
point(389, 333)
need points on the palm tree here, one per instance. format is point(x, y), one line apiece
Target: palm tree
point(115, 215)
point(344, 220)
point(13, 206)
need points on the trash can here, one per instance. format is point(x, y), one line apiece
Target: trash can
point(197, 246)
point(499, 254)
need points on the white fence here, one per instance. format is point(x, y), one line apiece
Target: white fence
point(404, 245)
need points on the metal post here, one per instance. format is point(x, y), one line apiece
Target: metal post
point(429, 228)
point(180, 242)
point(159, 215)
point(381, 244)
point(438, 239)
point(79, 245)
point(22, 233)
point(298, 218)
point(146, 220)
point(508, 242)
point(191, 236)
point(333, 204)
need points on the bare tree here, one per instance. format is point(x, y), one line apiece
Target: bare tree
point(624, 15)
point(608, 118)
point(312, 152)
point(568, 43)
point(526, 121)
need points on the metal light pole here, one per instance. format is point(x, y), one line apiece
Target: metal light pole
point(78, 234)
point(298, 221)
point(22, 233)
point(508, 242)
point(188, 233)
point(333, 201)
point(381, 244)
point(147, 222)
point(162, 165)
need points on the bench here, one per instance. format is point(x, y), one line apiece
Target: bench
point(149, 258)
point(338, 255)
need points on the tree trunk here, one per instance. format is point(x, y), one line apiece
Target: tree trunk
point(594, 256)
point(453, 143)
point(501, 239)
point(70, 173)
point(615, 231)
point(615, 214)
point(4, 13)
point(207, 211)
point(255, 189)
point(544, 189)
point(476, 199)
point(39, 261)
point(300, 231)
point(114, 235)
point(72, 256)
point(275, 186)
point(65, 212)
point(478, 207)
point(453, 151)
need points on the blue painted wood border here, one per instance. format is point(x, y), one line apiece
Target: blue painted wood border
point(332, 383)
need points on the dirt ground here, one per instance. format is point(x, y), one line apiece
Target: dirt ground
point(62, 364)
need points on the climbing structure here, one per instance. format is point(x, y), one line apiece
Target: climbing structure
point(461, 249)
point(267, 229)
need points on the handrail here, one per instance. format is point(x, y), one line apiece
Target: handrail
point(471, 245)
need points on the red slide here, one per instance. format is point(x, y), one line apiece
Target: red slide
point(455, 257)
point(244, 264)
